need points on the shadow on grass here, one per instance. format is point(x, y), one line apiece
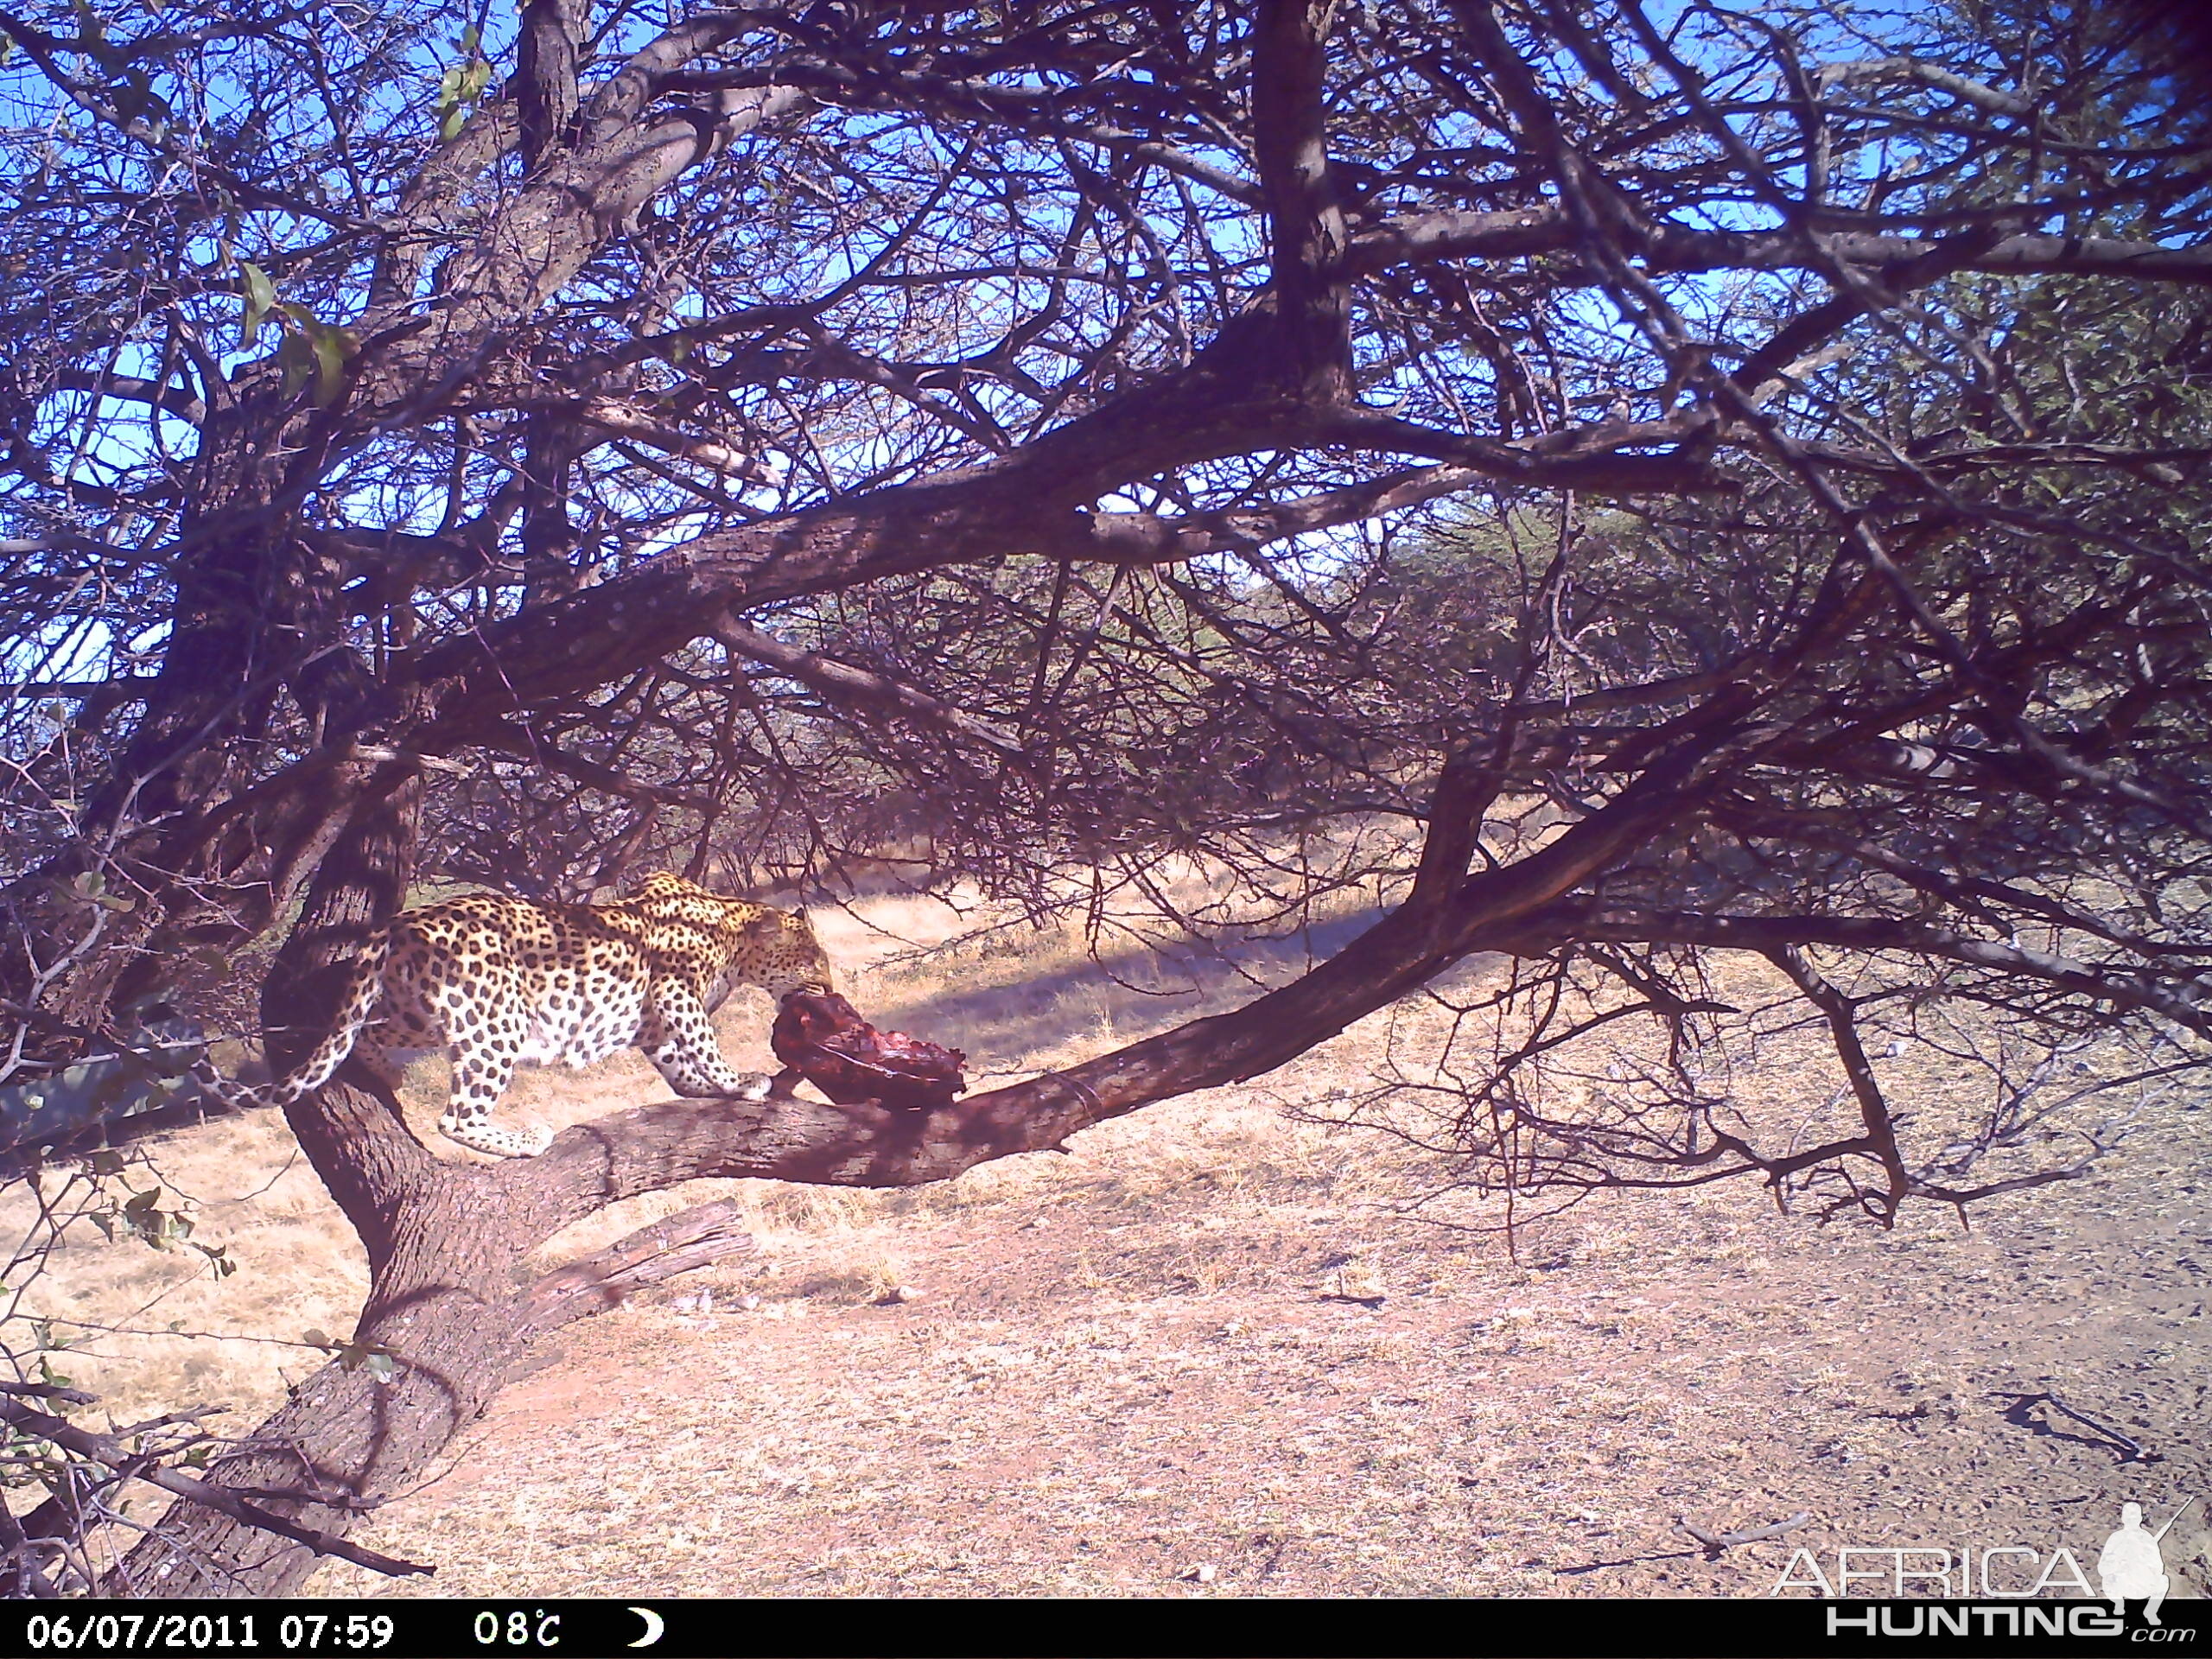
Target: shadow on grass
point(1130, 992)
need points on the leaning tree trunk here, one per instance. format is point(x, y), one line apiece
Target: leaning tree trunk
point(343, 1426)
point(447, 1314)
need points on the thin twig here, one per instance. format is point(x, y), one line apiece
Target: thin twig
point(141, 1467)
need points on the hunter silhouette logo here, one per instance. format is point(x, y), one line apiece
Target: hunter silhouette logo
point(2131, 1563)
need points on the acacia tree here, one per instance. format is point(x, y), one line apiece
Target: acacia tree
point(783, 433)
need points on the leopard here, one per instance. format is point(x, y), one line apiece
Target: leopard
point(505, 981)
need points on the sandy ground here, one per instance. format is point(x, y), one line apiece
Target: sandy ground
point(1102, 1392)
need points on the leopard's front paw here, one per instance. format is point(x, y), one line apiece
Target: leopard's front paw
point(752, 1086)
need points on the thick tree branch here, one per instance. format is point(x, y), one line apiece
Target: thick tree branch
point(545, 87)
point(1525, 232)
point(538, 240)
point(1306, 225)
point(843, 683)
point(597, 1163)
point(651, 1255)
point(1870, 71)
point(615, 629)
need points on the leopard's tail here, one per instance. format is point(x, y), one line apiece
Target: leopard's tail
point(356, 1005)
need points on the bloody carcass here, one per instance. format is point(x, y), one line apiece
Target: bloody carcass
point(823, 1038)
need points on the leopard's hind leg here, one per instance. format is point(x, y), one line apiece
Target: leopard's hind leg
point(486, 1043)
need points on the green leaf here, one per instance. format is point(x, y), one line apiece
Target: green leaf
point(460, 85)
point(381, 1366)
point(329, 345)
point(296, 358)
point(315, 1336)
point(330, 348)
point(260, 297)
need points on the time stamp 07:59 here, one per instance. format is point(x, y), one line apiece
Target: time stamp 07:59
point(250, 1634)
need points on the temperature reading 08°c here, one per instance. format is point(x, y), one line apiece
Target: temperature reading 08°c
point(518, 1629)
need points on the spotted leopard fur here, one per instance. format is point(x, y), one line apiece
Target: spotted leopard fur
point(503, 982)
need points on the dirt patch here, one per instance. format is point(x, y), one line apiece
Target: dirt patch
point(1101, 1391)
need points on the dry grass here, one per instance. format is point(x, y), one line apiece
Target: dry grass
point(1027, 999)
point(151, 1329)
point(1209, 1335)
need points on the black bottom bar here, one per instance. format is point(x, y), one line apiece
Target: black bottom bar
point(1216, 1627)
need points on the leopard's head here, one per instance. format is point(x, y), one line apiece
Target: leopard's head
point(736, 941)
point(779, 952)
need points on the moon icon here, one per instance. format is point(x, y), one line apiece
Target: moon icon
point(655, 1627)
